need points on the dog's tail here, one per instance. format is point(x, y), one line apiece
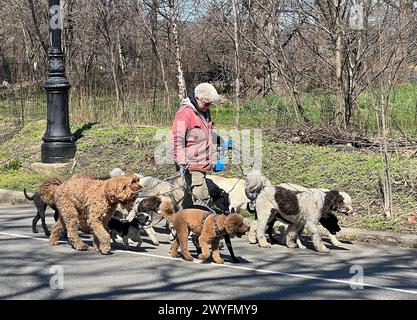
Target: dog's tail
point(166, 210)
point(255, 182)
point(47, 190)
point(27, 196)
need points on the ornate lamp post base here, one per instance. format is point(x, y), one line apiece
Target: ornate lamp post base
point(57, 152)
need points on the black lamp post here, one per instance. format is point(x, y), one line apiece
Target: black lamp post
point(59, 143)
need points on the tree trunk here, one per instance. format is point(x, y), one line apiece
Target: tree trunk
point(237, 67)
point(180, 74)
point(339, 118)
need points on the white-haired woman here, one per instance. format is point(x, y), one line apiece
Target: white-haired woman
point(192, 139)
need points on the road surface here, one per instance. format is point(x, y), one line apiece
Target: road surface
point(31, 269)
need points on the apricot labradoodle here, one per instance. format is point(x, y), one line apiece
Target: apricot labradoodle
point(209, 227)
point(83, 197)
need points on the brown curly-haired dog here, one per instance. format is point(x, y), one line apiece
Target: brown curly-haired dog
point(209, 227)
point(46, 192)
point(96, 200)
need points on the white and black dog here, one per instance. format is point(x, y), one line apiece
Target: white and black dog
point(129, 229)
point(298, 209)
point(129, 224)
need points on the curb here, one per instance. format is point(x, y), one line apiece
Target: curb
point(370, 236)
point(378, 237)
point(11, 196)
point(350, 234)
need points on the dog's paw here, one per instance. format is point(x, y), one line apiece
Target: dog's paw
point(202, 257)
point(235, 260)
point(34, 231)
point(156, 243)
point(264, 244)
point(188, 258)
point(291, 244)
point(337, 244)
point(219, 261)
point(252, 240)
point(106, 251)
point(323, 249)
point(53, 242)
point(81, 247)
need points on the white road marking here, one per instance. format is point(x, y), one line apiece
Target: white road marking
point(196, 261)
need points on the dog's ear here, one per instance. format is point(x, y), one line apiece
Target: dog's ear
point(332, 201)
point(233, 223)
point(120, 189)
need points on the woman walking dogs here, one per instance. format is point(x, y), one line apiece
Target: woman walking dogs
point(192, 139)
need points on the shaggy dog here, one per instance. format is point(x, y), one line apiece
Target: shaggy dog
point(209, 227)
point(40, 212)
point(239, 200)
point(83, 197)
point(329, 221)
point(299, 209)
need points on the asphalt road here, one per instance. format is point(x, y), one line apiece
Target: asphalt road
point(28, 266)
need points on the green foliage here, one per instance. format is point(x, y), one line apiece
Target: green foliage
point(17, 180)
point(13, 165)
point(373, 222)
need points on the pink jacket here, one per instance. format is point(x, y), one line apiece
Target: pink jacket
point(191, 137)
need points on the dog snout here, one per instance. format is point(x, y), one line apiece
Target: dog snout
point(144, 219)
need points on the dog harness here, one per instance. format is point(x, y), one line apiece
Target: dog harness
point(218, 232)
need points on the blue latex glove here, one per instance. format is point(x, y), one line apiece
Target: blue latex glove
point(219, 165)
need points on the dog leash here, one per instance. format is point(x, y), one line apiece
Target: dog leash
point(176, 175)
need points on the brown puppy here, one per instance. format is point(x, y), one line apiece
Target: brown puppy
point(83, 197)
point(209, 227)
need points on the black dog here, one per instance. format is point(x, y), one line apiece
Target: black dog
point(129, 229)
point(40, 214)
point(330, 222)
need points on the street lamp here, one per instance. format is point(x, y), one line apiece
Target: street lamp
point(59, 143)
